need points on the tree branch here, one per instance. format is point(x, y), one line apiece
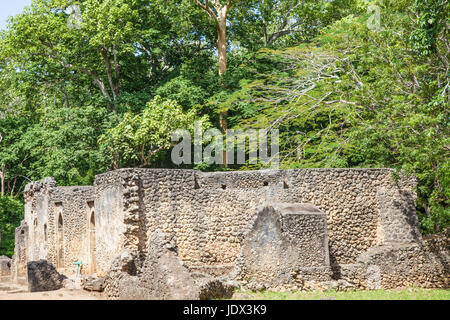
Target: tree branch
point(206, 8)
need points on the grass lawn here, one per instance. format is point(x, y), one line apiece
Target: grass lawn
point(405, 294)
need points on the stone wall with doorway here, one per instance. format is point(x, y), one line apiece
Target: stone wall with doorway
point(55, 227)
point(208, 217)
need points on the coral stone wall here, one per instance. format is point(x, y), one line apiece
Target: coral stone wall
point(36, 217)
point(395, 265)
point(347, 196)
point(284, 238)
point(55, 226)
point(20, 258)
point(208, 213)
point(73, 205)
point(110, 195)
point(5, 267)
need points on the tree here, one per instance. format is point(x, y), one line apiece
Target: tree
point(41, 36)
point(120, 49)
point(218, 12)
point(431, 18)
point(269, 20)
point(341, 94)
point(270, 23)
point(2, 175)
point(139, 139)
point(11, 213)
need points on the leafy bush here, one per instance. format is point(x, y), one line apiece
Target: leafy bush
point(11, 213)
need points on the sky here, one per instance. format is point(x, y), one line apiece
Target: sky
point(11, 8)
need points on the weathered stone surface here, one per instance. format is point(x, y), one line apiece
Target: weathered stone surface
point(284, 239)
point(129, 288)
point(56, 227)
point(214, 288)
point(399, 265)
point(72, 283)
point(42, 276)
point(399, 221)
point(5, 266)
point(163, 276)
point(20, 258)
point(439, 246)
point(402, 265)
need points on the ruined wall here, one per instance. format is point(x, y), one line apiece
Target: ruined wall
point(64, 225)
point(206, 217)
point(403, 265)
point(72, 203)
point(400, 265)
point(372, 228)
point(20, 257)
point(207, 213)
point(55, 226)
point(284, 238)
point(5, 267)
point(36, 217)
point(111, 195)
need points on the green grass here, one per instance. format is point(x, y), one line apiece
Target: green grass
point(405, 294)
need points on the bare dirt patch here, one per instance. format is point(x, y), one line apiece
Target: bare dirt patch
point(10, 291)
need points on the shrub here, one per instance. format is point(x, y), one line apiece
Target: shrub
point(11, 213)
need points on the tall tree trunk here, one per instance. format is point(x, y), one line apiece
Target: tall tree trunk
point(220, 17)
point(222, 45)
point(222, 42)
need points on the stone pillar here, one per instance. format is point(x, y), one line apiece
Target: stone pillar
point(20, 258)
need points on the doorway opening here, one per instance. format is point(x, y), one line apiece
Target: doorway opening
point(91, 216)
point(59, 237)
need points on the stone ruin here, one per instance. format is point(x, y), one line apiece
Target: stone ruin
point(5, 264)
point(184, 234)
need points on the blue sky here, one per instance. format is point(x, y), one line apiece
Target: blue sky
point(11, 8)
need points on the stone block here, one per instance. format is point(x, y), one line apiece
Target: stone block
point(42, 276)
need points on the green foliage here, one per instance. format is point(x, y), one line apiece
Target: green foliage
point(11, 213)
point(138, 139)
point(15, 152)
point(433, 17)
point(64, 144)
point(61, 143)
point(184, 91)
point(258, 23)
